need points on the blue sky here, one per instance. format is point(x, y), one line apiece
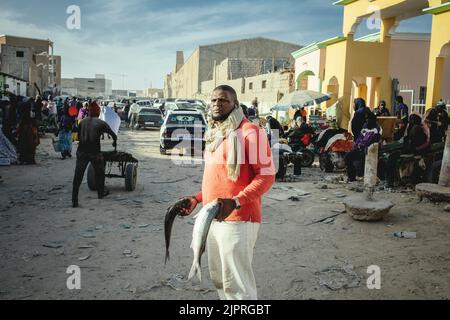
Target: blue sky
point(139, 38)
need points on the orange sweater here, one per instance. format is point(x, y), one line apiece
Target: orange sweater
point(257, 174)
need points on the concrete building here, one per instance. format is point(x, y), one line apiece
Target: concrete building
point(10, 83)
point(154, 93)
point(187, 76)
point(266, 80)
point(55, 68)
point(32, 60)
point(119, 93)
point(87, 87)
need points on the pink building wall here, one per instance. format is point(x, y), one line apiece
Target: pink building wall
point(409, 64)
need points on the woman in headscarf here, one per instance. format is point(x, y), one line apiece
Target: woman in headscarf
point(417, 138)
point(431, 122)
point(359, 118)
point(370, 133)
point(65, 134)
point(84, 112)
point(27, 136)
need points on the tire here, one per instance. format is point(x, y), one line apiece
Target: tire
point(308, 158)
point(130, 176)
point(162, 150)
point(325, 163)
point(91, 178)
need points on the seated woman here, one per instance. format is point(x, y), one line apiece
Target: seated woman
point(354, 160)
point(417, 139)
point(431, 121)
point(415, 142)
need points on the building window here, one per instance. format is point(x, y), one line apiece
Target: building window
point(250, 85)
point(90, 88)
point(91, 81)
point(19, 54)
point(264, 84)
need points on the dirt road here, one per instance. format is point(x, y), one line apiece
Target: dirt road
point(118, 242)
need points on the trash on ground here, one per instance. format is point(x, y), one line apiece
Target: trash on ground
point(53, 245)
point(405, 234)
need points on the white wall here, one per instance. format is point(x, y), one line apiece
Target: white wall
point(17, 87)
point(311, 62)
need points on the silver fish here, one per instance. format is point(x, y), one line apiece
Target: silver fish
point(203, 221)
point(171, 214)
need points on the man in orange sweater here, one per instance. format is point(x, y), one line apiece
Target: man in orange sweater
point(238, 171)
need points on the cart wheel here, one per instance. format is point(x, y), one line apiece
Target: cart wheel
point(130, 176)
point(308, 158)
point(91, 178)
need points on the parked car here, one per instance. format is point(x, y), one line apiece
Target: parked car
point(145, 103)
point(177, 106)
point(149, 118)
point(183, 129)
point(193, 101)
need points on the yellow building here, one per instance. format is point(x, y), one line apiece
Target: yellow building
point(349, 59)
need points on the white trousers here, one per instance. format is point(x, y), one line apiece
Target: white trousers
point(230, 254)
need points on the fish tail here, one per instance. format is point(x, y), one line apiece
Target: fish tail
point(195, 269)
point(167, 257)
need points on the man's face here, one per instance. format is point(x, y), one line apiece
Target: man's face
point(222, 103)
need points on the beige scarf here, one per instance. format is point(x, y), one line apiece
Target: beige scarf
point(227, 130)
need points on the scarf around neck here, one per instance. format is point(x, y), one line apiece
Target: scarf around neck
point(218, 132)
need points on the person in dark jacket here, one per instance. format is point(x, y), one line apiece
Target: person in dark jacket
point(355, 159)
point(432, 124)
point(27, 136)
point(382, 110)
point(442, 119)
point(89, 132)
point(360, 116)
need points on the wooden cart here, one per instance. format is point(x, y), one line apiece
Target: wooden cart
point(126, 164)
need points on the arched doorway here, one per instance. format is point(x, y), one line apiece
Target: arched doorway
point(302, 80)
point(333, 90)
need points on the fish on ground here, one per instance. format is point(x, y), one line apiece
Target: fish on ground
point(171, 213)
point(202, 224)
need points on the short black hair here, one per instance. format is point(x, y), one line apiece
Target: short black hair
point(229, 89)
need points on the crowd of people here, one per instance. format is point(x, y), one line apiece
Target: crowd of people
point(25, 119)
point(415, 133)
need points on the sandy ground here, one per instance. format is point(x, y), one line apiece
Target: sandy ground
point(118, 242)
